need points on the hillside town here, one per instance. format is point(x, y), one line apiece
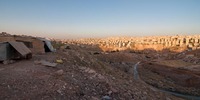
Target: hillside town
point(191, 42)
point(137, 68)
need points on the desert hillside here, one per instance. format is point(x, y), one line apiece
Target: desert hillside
point(108, 69)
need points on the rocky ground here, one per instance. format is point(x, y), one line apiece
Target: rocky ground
point(85, 73)
point(178, 80)
point(178, 72)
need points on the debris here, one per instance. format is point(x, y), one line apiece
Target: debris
point(47, 44)
point(5, 62)
point(59, 61)
point(45, 63)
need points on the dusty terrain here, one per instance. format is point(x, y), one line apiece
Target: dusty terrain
point(178, 72)
point(86, 73)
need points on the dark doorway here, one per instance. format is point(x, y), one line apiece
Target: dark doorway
point(46, 47)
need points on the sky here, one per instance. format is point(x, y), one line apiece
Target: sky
point(66, 19)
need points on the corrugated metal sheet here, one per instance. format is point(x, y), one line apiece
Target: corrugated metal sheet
point(48, 43)
point(4, 51)
point(20, 47)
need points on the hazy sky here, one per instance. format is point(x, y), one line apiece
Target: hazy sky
point(99, 18)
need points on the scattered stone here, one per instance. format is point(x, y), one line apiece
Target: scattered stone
point(110, 92)
point(91, 71)
point(95, 98)
point(168, 98)
point(59, 72)
point(113, 90)
point(101, 76)
point(46, 63)
point(106, 98)
point(5, 62)
point(87, 70)
point(59, 91)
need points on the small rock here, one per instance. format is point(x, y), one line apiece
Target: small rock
point(5, 62)
point(145, 93)
point(90, 71)
point(60, 92)
point(59, 72)
point(113, 78)
point(95, 98)
point(110, 92)
point(168, 98)
point(106, 98)
point(101, 77)
point(113, 90)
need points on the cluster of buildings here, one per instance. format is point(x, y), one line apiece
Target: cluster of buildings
point(140, 43)
point(14, 46)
